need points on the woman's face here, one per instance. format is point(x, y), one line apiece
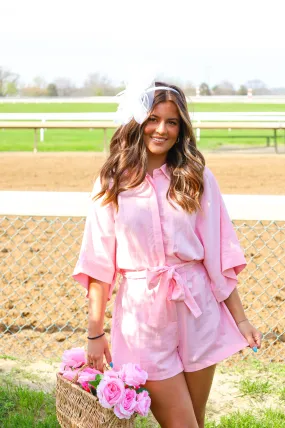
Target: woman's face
point(162, 128)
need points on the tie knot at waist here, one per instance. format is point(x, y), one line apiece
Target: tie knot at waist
point(167, 284)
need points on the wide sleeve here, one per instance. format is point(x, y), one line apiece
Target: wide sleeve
point(97, 257)
point(223, 256)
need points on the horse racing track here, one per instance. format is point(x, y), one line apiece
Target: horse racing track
point(44, 311)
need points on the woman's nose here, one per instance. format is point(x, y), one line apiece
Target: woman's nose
point(161, 128)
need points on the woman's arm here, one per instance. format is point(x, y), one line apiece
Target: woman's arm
point(235, 307)
point(97, 348)
point(251, 334)
point(98, 296)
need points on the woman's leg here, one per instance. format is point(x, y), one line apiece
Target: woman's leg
point(171, 402)
point(199, 385)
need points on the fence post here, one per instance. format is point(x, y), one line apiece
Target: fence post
point(42, 132)
point(275, 141)
point(36, 141)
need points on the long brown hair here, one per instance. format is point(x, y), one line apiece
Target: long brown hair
point(126, 166)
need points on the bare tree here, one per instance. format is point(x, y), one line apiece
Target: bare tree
point(258, 87)
point(224, 88)
point(189, 89)
point(98, 84)
point(65, 88)
point(8, 82)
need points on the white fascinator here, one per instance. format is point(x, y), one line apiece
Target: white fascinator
point(136, 100)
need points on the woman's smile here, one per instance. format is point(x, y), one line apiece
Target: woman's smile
point(158, 140)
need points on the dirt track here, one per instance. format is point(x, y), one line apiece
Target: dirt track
point(48, 311)
point(236, 173)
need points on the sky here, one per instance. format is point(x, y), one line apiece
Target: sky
point(194, 41)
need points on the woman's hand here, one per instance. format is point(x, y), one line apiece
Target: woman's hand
point(250, 333)
point(95, 352)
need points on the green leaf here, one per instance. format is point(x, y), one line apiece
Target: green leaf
point(97, 380)
point(141, 389)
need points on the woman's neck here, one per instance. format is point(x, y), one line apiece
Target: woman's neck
point(155, 162)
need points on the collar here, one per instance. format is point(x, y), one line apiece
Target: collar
point(165, 170)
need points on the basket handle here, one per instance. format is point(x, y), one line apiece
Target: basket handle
point(75, 378)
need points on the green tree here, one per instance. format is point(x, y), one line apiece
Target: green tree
point(52, 90)
point(242, 90)
point(8, 82)
point(204, 89)
point(12, 89)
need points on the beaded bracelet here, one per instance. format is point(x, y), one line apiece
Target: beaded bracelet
point(96, 337)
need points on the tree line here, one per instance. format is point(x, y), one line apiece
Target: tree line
point(97, 84)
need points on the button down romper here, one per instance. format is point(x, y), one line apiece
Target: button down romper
point(176, 270)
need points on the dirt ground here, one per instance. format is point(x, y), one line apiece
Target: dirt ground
point(236, 172)
point(45, 312)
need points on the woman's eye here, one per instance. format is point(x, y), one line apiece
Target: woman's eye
point(172, 123)
point(152, 119)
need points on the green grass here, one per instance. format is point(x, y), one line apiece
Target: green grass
point(282, 393)
point(92, 140)
point(21, 407)
point(92, 107)
point(7, 357)
point(254, 387)
point(235, 107)
point(55, 140)
point(24, 408)
point(267, 419)
point(252, 364)
point(57, 108)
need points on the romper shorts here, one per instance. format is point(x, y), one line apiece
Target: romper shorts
point(176, 340)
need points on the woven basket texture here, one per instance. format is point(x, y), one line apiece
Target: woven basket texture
point(76, 408)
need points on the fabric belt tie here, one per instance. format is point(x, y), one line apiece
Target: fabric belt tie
point(169, 285)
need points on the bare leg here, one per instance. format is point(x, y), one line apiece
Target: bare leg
point(199, 385)
point(171, 402)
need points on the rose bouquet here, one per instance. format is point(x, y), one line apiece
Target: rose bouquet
point(119, 390)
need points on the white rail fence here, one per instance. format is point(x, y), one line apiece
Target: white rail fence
point(198, 118)
point(43, 311)
point(254, 99)
point(195, 116)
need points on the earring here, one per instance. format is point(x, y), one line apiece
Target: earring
point(177, 140)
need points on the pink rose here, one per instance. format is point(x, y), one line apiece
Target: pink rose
point(74, 357)
point(87, 374)
point(126, 408)
point(133, 375)
point(111, 374)
point(69, 374)
point(86, 386)
point(110, 392)
point(143, 403)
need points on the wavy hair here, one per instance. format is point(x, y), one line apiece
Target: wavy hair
point(126, 166)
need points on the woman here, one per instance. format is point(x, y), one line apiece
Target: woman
point(158, 219)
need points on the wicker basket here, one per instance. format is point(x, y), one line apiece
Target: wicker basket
point(76, 408)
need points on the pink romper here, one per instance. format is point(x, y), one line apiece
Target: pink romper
point(176, 270)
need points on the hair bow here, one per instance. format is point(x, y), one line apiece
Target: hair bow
point(136, 102)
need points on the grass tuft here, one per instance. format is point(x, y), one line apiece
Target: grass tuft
point(22, 407)
point(268, 419)
point(256, 387)
point(282, 393)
